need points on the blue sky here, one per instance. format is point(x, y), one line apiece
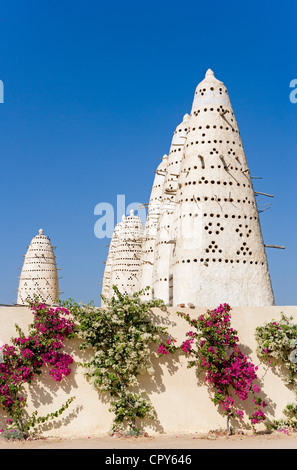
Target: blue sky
point(93, 91)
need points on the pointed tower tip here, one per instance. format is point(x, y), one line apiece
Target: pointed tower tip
point(210, 91)
point(209, 73)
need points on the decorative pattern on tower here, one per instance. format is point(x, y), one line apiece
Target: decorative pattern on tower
point(124, 258)
point(219, 253)
point(203, 243)
point(107, 291)
point(39, 275)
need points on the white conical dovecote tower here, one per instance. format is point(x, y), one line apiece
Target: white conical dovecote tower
point(161, 285)
point(39, 275)
point(107, 291)
point(150, 231)
point(219, 252)
point(126, 266)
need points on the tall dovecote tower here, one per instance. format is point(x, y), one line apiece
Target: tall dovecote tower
point(39, 275)
point(126, 265)
point(219, 254)
point(162, 279)
point(106, 283)
point(151, 227)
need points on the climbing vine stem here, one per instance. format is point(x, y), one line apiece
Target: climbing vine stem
point(120, 336)
point(24, 358)
point(212, 348)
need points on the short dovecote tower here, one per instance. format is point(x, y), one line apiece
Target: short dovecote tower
point(219, 252)
point(39, 277)
point(106, 283)
point(127, 256)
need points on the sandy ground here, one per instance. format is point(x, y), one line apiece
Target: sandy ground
point(275, 440)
